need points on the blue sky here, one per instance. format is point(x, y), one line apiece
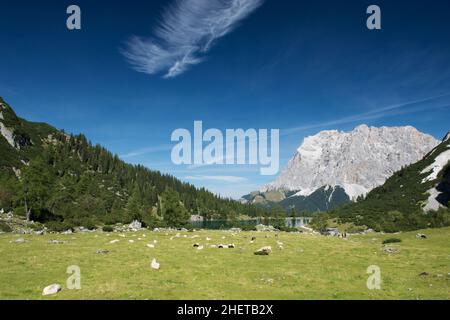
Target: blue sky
point(300, 66)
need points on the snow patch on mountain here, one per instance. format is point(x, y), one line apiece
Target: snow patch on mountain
point(354, 190)
point(439, 163)
point(447, 137)
point(8, 134)
point(358, 161)
point(432, 203)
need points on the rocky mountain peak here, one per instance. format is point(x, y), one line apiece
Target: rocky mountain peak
point(358, 161)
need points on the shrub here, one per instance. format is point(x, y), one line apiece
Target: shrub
point(287, 229)
point(108, 229)
point(58, 226)
point(248, 228)
point(4, 227)
point(392, 240)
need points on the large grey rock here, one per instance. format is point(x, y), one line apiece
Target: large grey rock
point(135, 225)
point(264, 251)
point(51, 289)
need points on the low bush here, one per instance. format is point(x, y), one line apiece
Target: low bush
point(248, 228)
point(59, 226)
point(4, 227)
point(108, 229)
point(392, 240)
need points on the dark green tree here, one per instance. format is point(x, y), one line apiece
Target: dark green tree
point(173, 210)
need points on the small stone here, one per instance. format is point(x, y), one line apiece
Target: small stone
point(231, 246)
point(155, 265)
point(51, 289)
point(56, 242)
point(200, 248)
point(102, 251)
point(423, 274)
point(114, 241)
point(20, 240)
point(131, 241)
point(151, 246)
point(196, 245)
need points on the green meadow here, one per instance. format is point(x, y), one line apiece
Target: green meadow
point(308, 266)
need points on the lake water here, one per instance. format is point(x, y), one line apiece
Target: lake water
point(225, 224)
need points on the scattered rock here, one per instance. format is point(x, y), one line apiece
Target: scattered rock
point(102, 251)
point(20, 240)
point(151, 246)
point(231, 246)
point(135, 225)
point(263, 228)
point(264, 251)
point(155, 265)
point(391, 250)
point(200, 248)
point(208, 239)
point(213, 246)
point(253, 238)
point(196, 245)
point(131, 241)
point(51, 289)
point(421, 236)
point(56, 242)
point(114, 241)
point(424, 274)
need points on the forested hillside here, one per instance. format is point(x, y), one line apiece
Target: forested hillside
point(53, 176)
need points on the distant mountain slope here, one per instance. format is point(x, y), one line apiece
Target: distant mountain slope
point(404, 200)
point(20, 140)
point(322, 199)
point(65, 178)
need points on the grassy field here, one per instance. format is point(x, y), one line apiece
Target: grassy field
point(309, 266)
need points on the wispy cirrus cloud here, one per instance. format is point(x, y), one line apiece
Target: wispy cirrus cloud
point(187, 31)
point(144, 151)
point(229, 179)
point(426, 104)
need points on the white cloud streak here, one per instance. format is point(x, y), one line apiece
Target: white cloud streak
point(427, 104)
point(187, 31)
point(144, 151)
point(229, 179)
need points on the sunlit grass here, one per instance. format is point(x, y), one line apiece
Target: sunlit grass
point(309, 266)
